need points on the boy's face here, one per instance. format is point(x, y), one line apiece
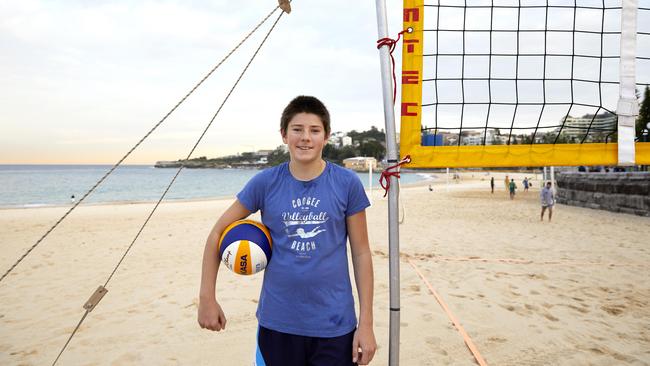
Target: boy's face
point(305, 137)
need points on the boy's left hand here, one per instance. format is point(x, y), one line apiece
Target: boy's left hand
point(363, 345)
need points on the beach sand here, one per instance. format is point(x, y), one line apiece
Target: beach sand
point(575, 291)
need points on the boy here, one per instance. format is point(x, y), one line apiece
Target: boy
point(548, 201)
point(306, 309)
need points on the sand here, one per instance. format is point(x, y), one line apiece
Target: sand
point(575, 291)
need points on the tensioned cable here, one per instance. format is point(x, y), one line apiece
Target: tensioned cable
point(205, 130)
point(135, 146)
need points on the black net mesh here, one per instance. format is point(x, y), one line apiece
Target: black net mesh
point(525, 72)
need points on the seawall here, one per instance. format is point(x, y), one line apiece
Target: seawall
point(627, 192)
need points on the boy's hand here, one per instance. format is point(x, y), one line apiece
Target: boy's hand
point(211, 316)
point(363, 345)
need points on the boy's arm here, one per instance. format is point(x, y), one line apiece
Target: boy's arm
point(364, 337)
point(210, 315)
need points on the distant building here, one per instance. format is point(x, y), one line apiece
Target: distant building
point(598, 125)
point(263, 153)
point(472, 138)
point(346, 141)
point(360, 163)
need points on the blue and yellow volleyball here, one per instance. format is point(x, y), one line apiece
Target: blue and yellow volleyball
point(245, 247)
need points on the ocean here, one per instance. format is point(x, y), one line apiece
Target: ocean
point(54, 185)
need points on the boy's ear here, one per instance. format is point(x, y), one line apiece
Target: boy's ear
point(283, 133)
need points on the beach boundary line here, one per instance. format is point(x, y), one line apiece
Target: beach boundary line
point(526, 261)
point(468, 341)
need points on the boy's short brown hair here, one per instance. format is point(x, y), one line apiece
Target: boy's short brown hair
point(305, 104)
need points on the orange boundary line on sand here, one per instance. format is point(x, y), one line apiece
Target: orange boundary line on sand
point(461, 330)
point(527, 261)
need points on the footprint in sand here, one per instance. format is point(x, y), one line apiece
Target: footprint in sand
point(497, 339)
point(129, 357)
point(434, 344)
point(576, 308)
point(613, 309)
point(531, 307)
point(550, 317)
point(24, 353)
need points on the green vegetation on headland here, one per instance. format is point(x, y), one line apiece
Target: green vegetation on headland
point(341, 146)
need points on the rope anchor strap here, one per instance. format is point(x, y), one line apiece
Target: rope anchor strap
point(95, 298)
point(384, 180)
point(285, 5)
point(391, 47)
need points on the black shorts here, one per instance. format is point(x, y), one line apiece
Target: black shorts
point(283, 349)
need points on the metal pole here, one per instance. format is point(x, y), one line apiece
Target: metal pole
point(553, 178)
point(393, 191)
point(447, 184)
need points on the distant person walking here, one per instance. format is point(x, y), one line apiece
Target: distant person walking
point(492, 184)
point(548, 201)
point(525, 183)
point(72, 199)
point(507, 183)
point(512, 187)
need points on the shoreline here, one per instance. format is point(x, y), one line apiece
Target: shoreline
point(376, 187)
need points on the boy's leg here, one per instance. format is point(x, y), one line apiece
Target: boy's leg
point(281, 349)
point(335, 351)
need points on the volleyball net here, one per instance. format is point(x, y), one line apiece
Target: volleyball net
point(523, 83)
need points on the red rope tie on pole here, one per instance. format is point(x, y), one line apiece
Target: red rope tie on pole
point(391, 47)
point(384, 180)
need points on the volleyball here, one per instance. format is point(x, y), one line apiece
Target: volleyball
point(245, 247)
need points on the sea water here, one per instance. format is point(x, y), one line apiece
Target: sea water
point(51, 185)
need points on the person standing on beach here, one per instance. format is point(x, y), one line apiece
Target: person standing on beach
point(548, 201)
point(525, 183)
point(306, 309)
point(512, 187)
point(492, 184)
point(507, 182)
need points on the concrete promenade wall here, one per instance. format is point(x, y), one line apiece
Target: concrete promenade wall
point(627, 192)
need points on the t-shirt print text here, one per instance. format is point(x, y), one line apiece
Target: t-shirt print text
point(303, 224)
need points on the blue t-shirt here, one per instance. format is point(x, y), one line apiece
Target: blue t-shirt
point(306, 289)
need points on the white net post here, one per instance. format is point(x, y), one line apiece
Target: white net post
point(628, 106)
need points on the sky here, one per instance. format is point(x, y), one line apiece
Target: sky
point(83, 81)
